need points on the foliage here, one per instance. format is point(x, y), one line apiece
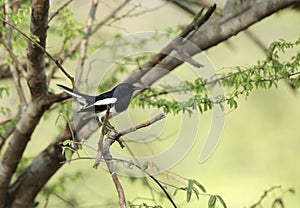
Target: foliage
point(20, 19)
point(4, 90)
point(65, 26)
point(240, 81)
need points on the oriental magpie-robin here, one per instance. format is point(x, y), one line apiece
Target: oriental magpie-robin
point(118, 99)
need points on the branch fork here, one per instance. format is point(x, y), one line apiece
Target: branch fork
point(113, 135)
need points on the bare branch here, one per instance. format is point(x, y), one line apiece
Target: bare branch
point(109, 163)
point(215, 30)
point(31, 115)
point(78, 42)
point(84, 41)
point(103, 149)
point(8, 29)
point(142, 125)
point(108, 17)
point(15, 73)
point(136, 75)
point(258, 203)
point(41, 48)
point(56, 12)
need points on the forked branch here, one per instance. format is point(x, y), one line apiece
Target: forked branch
point(104, 150)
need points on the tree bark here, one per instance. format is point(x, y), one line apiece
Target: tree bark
point(30, 115)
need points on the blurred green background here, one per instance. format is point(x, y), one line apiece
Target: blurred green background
point(260, 145)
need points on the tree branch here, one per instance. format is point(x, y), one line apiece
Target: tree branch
point(78, 42)
point(15, 73)
point(156, 63)
point(109, 16)
point(103, 150)
point(40, 47)
point(258, 203)
point(30, 115)
point(235, 18)
point(142, 125)
point(56, 12)
point(84, 41)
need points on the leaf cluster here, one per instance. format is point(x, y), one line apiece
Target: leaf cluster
point(195, 187)
point(239, 81)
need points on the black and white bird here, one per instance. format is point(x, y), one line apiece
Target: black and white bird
point(117, 99)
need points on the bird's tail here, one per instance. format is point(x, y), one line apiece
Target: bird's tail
point(69, 91)
point(82, 98)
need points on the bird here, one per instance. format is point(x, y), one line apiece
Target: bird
point(117, 99)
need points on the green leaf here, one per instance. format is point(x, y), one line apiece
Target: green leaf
point(68, 153)
point(189, 190)
point(196, 192)
point(175, 192)
point(200, 186)
point(4, 89)
point(292, 190)
point(221, 201)
point(212, 201)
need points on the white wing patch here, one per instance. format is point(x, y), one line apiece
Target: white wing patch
point(106, 101)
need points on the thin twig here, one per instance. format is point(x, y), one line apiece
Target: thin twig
point(87, 34)
point(145, 124)
point(108, 17)
point(103, 150)
point(14, 58)
point(186, 34)
point(148, 10)
point(123, 15)
point(41, 48)
point(56, 12)
point(15, 73)
point(138, 163)
point(78, 42)
point(264, 196)
point(135, 165)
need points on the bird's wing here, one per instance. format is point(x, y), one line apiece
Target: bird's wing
point(99, 105)
point(82, 98)
point(106, 101)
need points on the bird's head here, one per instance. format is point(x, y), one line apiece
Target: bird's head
point(126, 88)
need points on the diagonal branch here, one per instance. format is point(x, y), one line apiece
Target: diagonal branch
point(15, 74)
point(142, 125)
point(235, 18)
point(30, 116)
point(156, 61)
point(77, 43)
point(113, 136)
point(84, 41)
point(40, 47)
point(56, 12)
point(110, 16)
